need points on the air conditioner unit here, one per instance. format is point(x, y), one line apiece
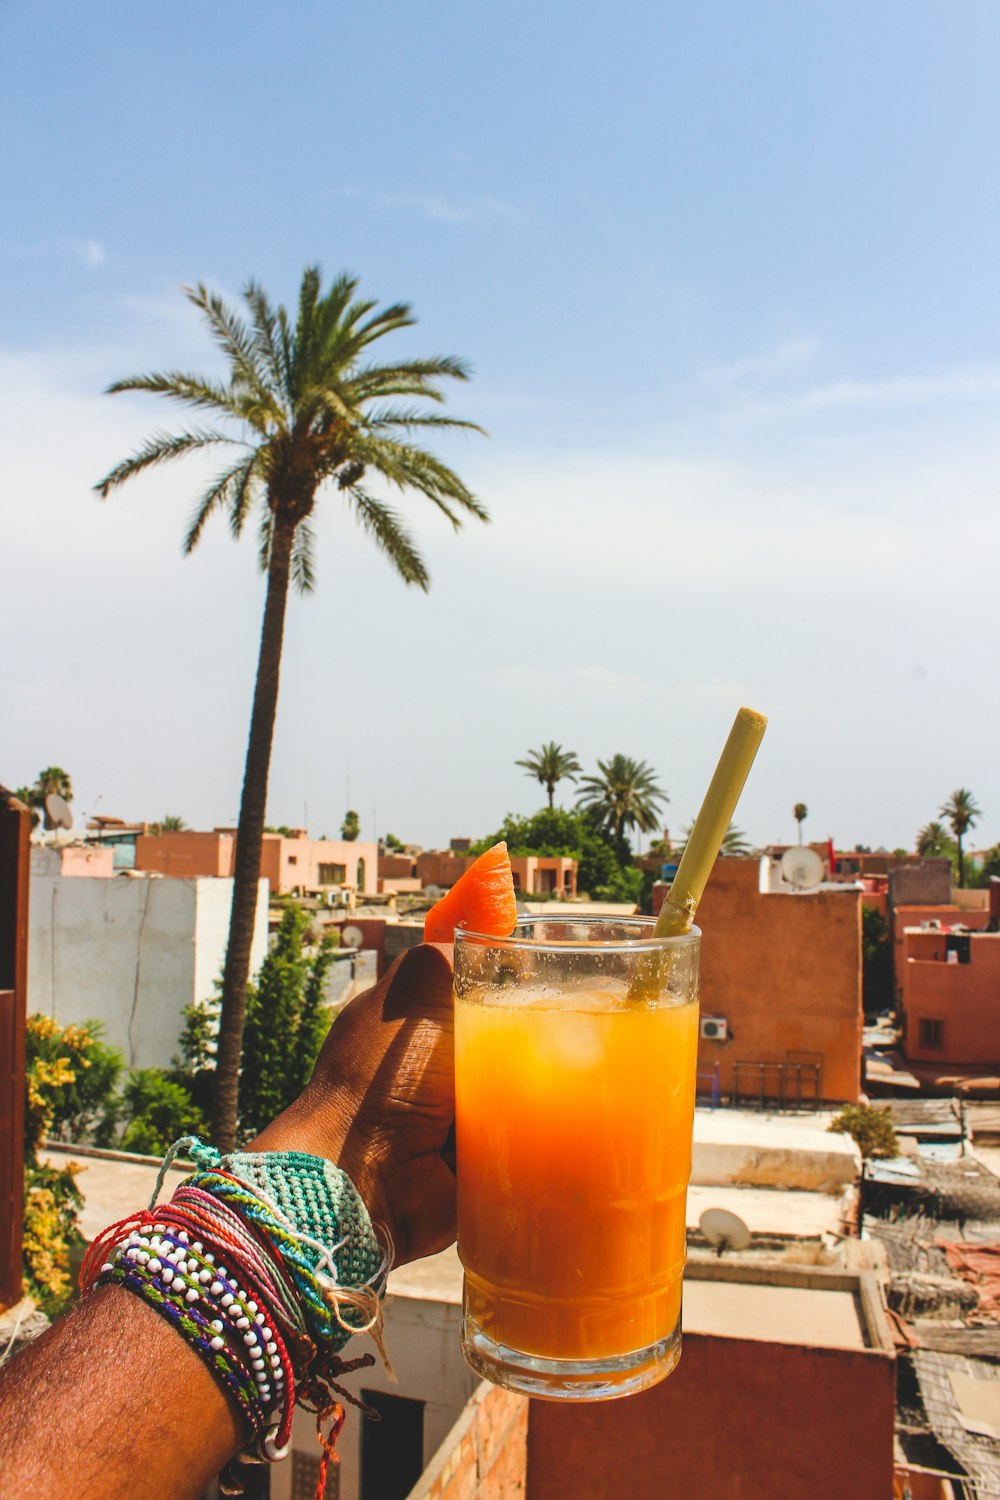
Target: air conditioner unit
point(714, 1029)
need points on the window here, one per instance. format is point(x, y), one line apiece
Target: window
point(360, 880)
point(392, 1450)
point(931, 1034)
point(293, 859)
point(332, 874)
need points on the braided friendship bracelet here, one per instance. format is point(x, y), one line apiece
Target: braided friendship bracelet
point(307, 1273)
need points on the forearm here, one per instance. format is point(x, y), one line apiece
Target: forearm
point(110, 1403)
point(114, 1398)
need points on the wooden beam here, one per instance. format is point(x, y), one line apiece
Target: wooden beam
point(15, 836)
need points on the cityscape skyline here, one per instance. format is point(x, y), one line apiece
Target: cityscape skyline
point(733, 318)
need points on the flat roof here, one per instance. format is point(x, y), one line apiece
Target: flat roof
point(828, 1319)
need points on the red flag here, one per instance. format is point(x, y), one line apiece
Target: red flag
point(831, 855)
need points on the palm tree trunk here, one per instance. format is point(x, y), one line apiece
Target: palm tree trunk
point(249, 838)
point(550, 788)
point(961, 865)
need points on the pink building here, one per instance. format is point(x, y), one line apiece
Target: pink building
point(294, 864)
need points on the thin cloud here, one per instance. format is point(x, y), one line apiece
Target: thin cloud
point(974, 383)
point(760, 366)
point(90, 251)
point(442, 208)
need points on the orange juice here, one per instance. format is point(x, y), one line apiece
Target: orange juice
point(573, 1115)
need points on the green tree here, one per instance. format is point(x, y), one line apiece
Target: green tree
point(800, 812)
point(306, 409)
point(624, 794)
point(550, 765)
point(605, 870)
point(52, 780)
point(286, 1023)
point(393, 844)
point(876, 962)
point(934, 840)
point(351, 826)
point(962, 813)
point(158, 1108)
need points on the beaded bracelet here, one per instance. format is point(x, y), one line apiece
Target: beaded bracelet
point(307, 1273)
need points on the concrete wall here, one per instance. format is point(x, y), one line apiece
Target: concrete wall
point(130, 953)
point(72, 859)
point(965, 998)
point(784, 970)
point(422, 1337)
point(739, 1419)
point(925, 884)
point(442, 867)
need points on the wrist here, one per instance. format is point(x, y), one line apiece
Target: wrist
point(321, 1122)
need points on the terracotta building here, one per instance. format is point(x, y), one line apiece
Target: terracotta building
point(534, 874)
point(949, 984)
point(781, 1014)
point(288, 864)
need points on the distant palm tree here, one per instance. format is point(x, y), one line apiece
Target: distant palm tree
point(549, 765)
point(962, 812)
point(624, 795)
point(307, 410)
point(800, 812)
point(53, 780)
point(735, 844)
point(933, 840)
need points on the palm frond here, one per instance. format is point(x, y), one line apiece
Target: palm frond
point(264, 338)
point(413, 468)
point(264, 539)
point(411, 378)
point(303, 573)
point(228, 330)
point(231, 488)
point(158, 449)
point(193, 390)
point(387, 531)
point(406, 417)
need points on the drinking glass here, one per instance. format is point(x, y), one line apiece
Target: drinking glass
point(575, 1047)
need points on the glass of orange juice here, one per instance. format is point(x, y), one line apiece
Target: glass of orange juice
point(575, 1048)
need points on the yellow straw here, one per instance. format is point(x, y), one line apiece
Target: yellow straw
point(681, 902)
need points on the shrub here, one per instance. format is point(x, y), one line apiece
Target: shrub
point(871, 1128)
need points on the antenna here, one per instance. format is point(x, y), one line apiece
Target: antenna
point(802, 867)
point(57, 812)
point(724, 1230)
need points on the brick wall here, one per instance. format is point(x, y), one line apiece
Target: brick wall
point(484, 1457)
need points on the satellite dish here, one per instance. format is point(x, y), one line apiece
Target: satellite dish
point(351, 936)
point(57, 812)
point(724, 1230)
point(802, 867)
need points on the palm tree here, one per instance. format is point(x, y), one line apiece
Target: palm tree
point(735, 844)
point(933, 841)
point(962, 812)
point(550, 765)
point(306, 410)
point(800, 812)
point(624, 795)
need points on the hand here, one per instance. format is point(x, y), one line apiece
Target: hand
point(381, 1102)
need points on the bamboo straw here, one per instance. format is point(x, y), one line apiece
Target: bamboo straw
point(677, 914)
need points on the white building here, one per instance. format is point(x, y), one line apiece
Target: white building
point(130, 951)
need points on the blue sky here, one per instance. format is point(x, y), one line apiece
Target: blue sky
point(727, 276)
